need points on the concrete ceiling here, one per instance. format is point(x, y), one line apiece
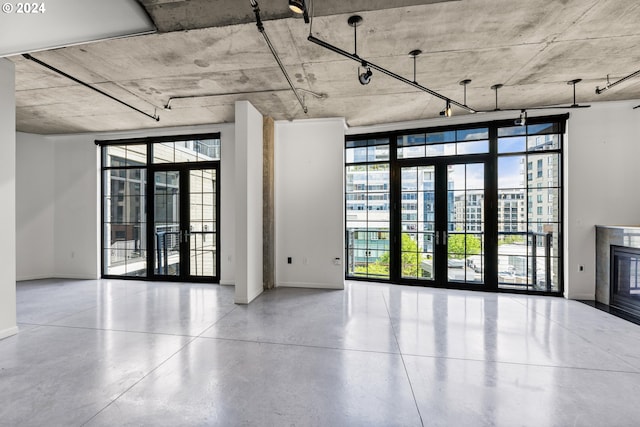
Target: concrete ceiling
point(211, 53)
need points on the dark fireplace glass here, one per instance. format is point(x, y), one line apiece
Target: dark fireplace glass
point(625, 279)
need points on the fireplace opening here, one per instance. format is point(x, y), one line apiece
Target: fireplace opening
point(625, 279)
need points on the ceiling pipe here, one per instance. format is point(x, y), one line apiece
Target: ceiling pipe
point(366, 63)
point(70, 77)
point(610, 85)
point(253, 92)
point(259, 24)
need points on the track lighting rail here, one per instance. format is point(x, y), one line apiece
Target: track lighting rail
point(382, 70)
point(80, 82)
point(610, 85)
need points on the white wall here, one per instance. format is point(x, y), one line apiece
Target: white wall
point(309, 205)
point(248, 190)
point(35, 208)
point(59, 191)
point(8, 196)
point(602, 177)
point(76, 211)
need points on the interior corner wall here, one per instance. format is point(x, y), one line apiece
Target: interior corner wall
point(309, 203)
point(8, 324)
point(601, 180)
point(35, 208)
point(248, 186)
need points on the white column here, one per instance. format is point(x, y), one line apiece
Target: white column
point(8, 324)
point(249, 230)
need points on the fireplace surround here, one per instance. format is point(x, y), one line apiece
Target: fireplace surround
point(618, 268)
point(625, 279)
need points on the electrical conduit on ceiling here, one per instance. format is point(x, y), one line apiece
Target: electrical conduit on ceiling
point(256, 10)
point(70, 77)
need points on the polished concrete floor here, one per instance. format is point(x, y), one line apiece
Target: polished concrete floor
point(108, 352)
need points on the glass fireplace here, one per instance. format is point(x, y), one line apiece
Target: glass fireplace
point(625, 279)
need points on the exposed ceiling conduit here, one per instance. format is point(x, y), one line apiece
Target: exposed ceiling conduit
point(70, 77)
point(256, 10)
point(252, 92)
point(610, 85)
point(212, 95)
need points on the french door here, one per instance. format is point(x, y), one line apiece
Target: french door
point(183, 224)
point(475, 206)
point(442, 223)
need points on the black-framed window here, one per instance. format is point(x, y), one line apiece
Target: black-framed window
point(522, 187)
point(129, 170)
point(529, 244)
point(124, 189)
point(367, 208)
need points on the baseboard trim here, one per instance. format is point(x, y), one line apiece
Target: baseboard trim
point(227, 283)
point(34, 277)
point(333, 286)
point(75, 276)
point(582, 297)
point(243, 301)
point(8, 332)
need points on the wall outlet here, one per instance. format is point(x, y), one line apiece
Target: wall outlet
point(337, 261)
point(289, 260)
point(581, 268)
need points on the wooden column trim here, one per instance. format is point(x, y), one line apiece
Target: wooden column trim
point(268, 242)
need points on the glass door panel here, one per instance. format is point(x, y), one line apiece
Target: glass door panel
point(167, 226)
point(465, 222)
point(418, 222)
point(442, 223)
point(125, 222)
point(202, 223)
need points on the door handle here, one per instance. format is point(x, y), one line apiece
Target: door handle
point(437, 238)
point(185, 236)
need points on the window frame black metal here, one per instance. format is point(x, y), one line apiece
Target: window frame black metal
point(491, 159)
point(151, 167)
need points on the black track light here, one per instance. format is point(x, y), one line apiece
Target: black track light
point(299, 7)
point(296, 6)
point(365, 78)
point(448, 111)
